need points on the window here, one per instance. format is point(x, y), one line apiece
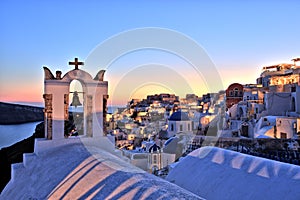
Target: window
point(265, 119)
point(283, 135)
point(154, 159)
point(189, 127)
point(236, 92)
point(172, 127)
point(181, 128)
point(293, 107)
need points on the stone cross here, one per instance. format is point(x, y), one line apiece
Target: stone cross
point(76, 63)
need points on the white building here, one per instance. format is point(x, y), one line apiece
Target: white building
point(287, 127)
point(264, 128)
point(278, 103)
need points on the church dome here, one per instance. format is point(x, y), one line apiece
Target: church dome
point(179, 116)
point(154, 148)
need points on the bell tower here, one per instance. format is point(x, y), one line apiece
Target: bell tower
point(56, 97)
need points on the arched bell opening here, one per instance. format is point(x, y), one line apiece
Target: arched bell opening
point(75, 123)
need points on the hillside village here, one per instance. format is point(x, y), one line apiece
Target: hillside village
point(248, 134)
point(261, 119)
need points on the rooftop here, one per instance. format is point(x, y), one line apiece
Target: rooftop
point(78, 168)
point(215, 173)
point(179, 116)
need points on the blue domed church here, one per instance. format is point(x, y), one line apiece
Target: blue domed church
point(179, 122)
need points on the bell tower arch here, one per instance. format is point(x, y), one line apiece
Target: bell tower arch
point(56, 97)
point(74, 124)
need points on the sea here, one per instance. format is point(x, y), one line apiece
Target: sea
point(11, 134)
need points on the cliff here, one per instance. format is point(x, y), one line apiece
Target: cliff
point(14, 154)
point(17, 114)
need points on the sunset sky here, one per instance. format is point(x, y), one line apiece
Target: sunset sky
point(239, 38)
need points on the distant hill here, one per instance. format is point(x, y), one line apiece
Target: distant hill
point(17, 114)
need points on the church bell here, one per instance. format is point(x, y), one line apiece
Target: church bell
point(75, 100)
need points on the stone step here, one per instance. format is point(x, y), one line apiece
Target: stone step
point(17, 170)
point(28, 159)
point(38, 145)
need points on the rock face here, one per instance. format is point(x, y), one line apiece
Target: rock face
point(14, 154)
point(215, 173)
point(17, 114)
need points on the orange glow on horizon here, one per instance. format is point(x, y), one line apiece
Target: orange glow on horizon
point(22, 97)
